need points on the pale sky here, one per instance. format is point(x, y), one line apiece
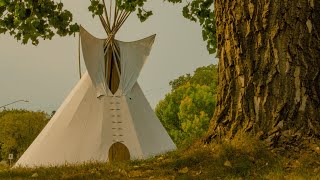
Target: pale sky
point(45, 74)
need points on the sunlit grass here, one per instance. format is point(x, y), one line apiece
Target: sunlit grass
point(240, 158)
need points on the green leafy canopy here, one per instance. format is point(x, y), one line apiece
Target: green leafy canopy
point(33, 19)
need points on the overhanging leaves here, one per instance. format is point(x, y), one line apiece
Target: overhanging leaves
point(197, 10)
point(33, 19)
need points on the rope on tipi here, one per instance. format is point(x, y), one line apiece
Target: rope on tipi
point(111, 21)
point(79, 58)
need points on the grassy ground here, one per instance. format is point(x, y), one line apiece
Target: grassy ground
point(241, 158)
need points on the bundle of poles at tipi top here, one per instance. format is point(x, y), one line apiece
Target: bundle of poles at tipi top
point(111, 19)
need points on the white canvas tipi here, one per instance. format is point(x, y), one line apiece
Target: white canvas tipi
point(106, 117)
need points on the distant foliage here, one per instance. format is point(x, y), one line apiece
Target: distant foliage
point(18, 129)
point(186, 111)
point(206, 75)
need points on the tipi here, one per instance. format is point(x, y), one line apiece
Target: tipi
point(106, 117)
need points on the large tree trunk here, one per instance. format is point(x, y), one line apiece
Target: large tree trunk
point(269, 69)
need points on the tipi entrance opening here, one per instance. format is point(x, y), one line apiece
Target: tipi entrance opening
point(113, 70)
point(118, 152)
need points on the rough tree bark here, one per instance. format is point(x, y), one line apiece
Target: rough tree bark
point(269, 69)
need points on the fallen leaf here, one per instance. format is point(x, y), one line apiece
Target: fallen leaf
point(148, 171)
point(183, 170)
point(251, 158)
point(135, 173)
point(123, 172)
point(198, 173)
point(227, 163)
point(35, 175)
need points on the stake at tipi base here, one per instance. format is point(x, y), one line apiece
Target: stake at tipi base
point(106, 117)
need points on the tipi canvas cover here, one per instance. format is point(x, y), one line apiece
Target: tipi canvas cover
point(93, 121)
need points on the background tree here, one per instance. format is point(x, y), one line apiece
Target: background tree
point(206, 75)
point(186, 111)
point(269, 70)
point(18, 129)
